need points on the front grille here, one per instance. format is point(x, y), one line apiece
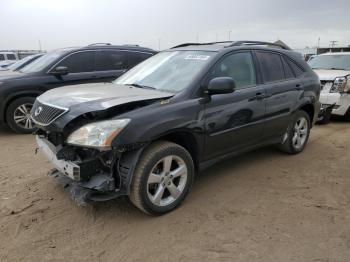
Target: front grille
point(44, 114)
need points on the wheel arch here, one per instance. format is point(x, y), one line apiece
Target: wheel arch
point(310, 110)
point(185, 139)
point(128, 160)
point(16, 96)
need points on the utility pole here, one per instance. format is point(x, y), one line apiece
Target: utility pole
point(39, 45)
point(229, 35)
point(333, 43)
point(159, 44)
point(318, 42)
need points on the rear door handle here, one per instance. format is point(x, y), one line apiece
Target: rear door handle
point(259, 96)
point(298, 87)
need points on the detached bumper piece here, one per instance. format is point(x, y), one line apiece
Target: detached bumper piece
point(98, 188)
point(325, 113)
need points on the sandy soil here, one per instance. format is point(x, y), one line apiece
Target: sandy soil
point(262, 206)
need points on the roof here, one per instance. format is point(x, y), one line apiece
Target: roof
point(337, 53)
point(110, 46)
point(104, 46)
point(216, 46)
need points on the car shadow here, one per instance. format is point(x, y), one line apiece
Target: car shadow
point(5, 131)
point(122, 206)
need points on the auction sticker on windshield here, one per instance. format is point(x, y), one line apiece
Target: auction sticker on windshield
point(197, 57)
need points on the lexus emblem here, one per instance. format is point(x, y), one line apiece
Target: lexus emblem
point(38, 111)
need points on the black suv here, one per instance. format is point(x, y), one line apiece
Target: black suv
point(70, 66)
point(147, 133)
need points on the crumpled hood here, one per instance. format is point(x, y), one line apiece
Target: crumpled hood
point(329, 74)
point(104, 95)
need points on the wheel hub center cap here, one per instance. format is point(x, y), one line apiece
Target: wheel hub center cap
point(167, 179)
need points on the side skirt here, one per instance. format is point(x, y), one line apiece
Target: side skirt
point(208, 163)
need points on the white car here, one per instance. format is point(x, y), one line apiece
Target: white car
point(333, 70)
point(7, 58)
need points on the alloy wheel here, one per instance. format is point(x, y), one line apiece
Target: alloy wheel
point(22, 116)
point(167, 180)
point(300, 132)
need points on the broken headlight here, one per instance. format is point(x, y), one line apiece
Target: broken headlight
point(340, 85)
point(97, 135)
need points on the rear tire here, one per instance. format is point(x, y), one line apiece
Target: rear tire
point(297, 133)
point(18, 115)
point(163, 177)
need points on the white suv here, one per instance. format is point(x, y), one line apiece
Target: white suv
point(333, 70)
point(7, 58)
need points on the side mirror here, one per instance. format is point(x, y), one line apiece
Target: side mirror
point(60, 71)
point(221, 85)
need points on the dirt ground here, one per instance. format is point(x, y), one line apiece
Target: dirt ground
point(262, 206)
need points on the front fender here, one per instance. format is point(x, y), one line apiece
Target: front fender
point(149, 125)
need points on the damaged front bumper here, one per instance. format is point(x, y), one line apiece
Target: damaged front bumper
point(86, 192)
point(325, 110)
point(100, 185)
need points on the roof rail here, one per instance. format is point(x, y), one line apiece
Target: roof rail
point(99, 44)
point(240, 43)
point(210, 43)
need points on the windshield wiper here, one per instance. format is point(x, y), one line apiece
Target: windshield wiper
point(336, 68)
point(330, 68)
point(140, 86)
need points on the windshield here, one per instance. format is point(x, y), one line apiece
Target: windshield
point(171, 71)
point(42, 62)
point(341, 62)
point(21, 62)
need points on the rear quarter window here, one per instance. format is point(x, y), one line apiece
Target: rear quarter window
point(2, 57)
point(287, 69)
point(296, 69)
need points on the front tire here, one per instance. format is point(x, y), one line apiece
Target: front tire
point(297, 133)
point(163, 177)
point(18, 115)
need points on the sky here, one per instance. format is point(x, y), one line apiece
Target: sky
point(160, 24)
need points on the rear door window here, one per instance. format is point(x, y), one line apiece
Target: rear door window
point(2, 57)
point(137, 57)
point(79, 62)
point(111, 60)
point(271, 66)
